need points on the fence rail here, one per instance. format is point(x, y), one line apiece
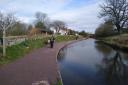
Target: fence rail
point(13, 40)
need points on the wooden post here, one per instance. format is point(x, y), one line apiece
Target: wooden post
point(46, 33)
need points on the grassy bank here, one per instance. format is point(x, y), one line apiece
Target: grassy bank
point(121, 41)
point(59, 82)
point(17, 51)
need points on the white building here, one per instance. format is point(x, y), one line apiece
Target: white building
point(62, 31)
point(53, 29)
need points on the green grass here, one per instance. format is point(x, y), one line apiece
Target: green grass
point(118, 40)
point(65, 38)
point(17, 51)
point(59, 82)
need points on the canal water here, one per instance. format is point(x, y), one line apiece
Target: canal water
point(90, 62)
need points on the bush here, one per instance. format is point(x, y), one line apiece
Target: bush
point(104, 30)
point(61, 38)
point(83, 33)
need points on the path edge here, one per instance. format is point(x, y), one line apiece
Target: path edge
point(62, 47)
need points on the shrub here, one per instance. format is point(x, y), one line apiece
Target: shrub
point(104, 30)
point(83, 33)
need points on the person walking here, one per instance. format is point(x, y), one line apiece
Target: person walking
point(52, 39)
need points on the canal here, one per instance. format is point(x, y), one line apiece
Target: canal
point(90, 62)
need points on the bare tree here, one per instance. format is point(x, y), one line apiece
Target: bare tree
point(6, 21)
point(116, 11)
point(58, 25)
point(41, 17)
point(47, 23)
point(126, 25)
point(19, 28)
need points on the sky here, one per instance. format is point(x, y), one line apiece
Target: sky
point(77, 14)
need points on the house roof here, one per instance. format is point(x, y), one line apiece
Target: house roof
point(45, 30)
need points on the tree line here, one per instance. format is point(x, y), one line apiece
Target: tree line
point(13, 26)
point(115, 14)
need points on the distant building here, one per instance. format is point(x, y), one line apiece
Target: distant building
point(53, 29)
point(63, 31)
point(35, 31)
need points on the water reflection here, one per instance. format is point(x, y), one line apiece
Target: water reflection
point(61, 54)
point(103, 49)
point(113, 67)
point(92, 62)
point(115, 70)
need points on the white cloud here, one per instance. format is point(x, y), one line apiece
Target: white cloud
point(26, 19)
point(29, 6)
point(84, 18)
point(79, 18)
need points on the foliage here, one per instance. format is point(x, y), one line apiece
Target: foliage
point(18, 29)
point(61, 38)
point(30, 27)
point(116, 11)
point(72, 32)
point(42, 20)
point(105, 30)
point(118, 40)
point(59, 82)
point(40, 25)
point(83, 33)
point(16, 51)
point(1, 33)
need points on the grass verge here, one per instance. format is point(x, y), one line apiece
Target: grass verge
point(59, 82)
point(17, 51)
point(120, 41)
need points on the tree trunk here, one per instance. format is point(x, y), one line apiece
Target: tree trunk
point(118, 28)
point(4, 43)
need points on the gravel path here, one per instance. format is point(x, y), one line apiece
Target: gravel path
point(39, 65)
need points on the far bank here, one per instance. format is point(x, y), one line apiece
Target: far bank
point(117, 41)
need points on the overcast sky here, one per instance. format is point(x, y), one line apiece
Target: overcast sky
point(78, 14)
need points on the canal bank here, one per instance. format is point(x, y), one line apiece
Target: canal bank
point(115, 46)
point(117, 41)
